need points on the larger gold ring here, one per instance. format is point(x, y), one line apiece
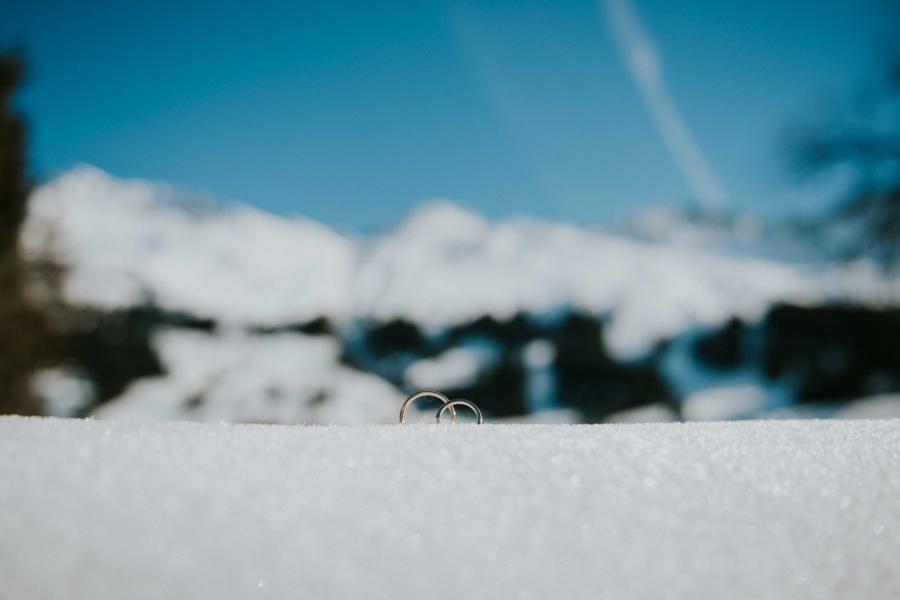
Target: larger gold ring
point(437, 395)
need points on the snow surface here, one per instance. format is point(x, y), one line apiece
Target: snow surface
point(754, 509)
point(724, 402)
point(456, 367)
point(650, 413)
point(130, 241)
point(239, 377)
point(883, 406)
point(64, 392)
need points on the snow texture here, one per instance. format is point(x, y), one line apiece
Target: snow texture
point(129, 242)
point(457, 367)
point(650, 413)
point(63, 392)
point(725, 402)
point(753, 509)
point(883, 406)
point(239, 377)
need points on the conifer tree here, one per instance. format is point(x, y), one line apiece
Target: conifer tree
point(25, 341)
point(865, 142)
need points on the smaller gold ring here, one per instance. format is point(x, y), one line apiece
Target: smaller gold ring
point(451, 404)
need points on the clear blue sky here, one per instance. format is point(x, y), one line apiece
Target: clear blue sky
point(352, 113)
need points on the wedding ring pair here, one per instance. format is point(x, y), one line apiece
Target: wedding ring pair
point(447, 404)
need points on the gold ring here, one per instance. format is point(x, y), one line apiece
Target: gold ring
point(437, 395)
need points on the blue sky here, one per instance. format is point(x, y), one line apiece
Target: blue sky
point(352, 113)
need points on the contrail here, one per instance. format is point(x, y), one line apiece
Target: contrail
point(641, 56)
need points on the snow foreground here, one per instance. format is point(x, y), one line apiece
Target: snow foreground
point(754, 509)
point(131, 242)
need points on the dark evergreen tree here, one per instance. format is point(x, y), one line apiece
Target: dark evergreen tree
point(25, 341)
point(865, 141)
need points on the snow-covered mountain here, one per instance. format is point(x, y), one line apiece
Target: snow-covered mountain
point(130, 243)
point(127, 242)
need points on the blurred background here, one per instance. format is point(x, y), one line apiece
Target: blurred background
point(621, 211)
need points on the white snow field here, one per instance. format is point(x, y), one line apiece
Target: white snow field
point(753, 509)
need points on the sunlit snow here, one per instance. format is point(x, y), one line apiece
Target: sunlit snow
point(238, 377)
point(738, 510)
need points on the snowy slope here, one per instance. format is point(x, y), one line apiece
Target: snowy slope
point(786, 509)
point(236, 377)
point(129, 241)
